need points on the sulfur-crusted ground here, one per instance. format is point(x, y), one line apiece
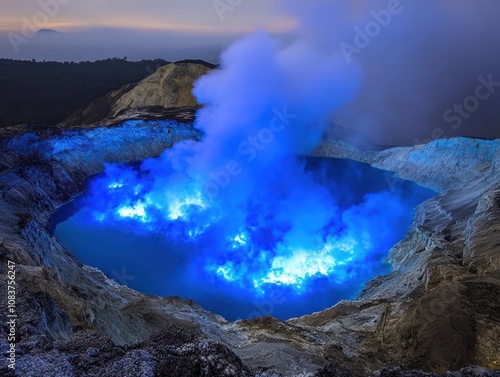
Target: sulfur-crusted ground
point(439, 309)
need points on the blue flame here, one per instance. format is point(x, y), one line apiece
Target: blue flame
point(252, 216)
point(276, 238)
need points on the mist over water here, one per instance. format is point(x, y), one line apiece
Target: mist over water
point(219, 270)
point(243, 212)
point(244, 215)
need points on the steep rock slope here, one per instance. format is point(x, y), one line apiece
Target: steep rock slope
point(438, 310)
point(169, 87)
point(440, 307)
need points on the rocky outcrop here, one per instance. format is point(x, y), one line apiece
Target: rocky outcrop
point(439, 309)
point(169, 87)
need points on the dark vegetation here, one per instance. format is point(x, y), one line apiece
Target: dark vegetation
point(47, 92)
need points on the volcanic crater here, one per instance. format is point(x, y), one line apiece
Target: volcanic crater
point(437, 310)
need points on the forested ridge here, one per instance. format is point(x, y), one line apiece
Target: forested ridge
point(47, 92)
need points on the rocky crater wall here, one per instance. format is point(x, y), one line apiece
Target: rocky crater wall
point(438, 310)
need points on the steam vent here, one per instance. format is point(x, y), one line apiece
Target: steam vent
point(285, 189)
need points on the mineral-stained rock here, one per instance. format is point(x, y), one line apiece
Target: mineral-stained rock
point(439, 310)
point(168, 88)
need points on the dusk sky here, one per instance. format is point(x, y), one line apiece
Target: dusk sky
point(196, 16)
point(431, 54)
point(98, 29)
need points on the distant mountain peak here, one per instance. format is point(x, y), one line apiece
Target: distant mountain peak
point(44, 31)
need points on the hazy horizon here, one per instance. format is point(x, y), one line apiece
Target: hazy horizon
point(98, 30)
point(105, 43)
point(422, 63)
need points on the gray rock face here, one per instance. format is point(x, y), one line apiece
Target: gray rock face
point(441, 304)
point(169, 87)
point(439, 309)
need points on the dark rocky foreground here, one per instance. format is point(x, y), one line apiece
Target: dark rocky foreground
point(438, 311)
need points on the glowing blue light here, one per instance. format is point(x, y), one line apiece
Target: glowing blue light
point(226, 272)
point(138, 210)
point(179, 206)
point(115, 185)
point(251, 254)
point(258, 218)
point(259, 249)
point(239, 240)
